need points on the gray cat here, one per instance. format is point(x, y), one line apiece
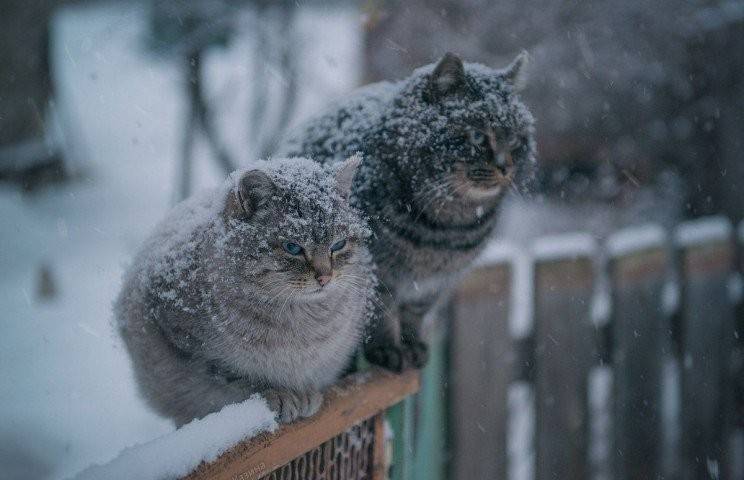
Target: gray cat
point(441, 149)
point(261, 286)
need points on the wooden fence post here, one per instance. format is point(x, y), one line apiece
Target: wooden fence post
point(640, 338)
point(480, 371)
point(707, 333)
point(565, 341)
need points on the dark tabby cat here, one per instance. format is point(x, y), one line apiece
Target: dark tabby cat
point(261, 286)
point(440, 148)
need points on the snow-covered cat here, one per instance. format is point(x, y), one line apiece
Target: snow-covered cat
point(441, 148)
point(261, 286)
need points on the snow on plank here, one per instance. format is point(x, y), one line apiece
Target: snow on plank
point(636, 239)
point(705, 230)
point(565, 246)
point(180, 452)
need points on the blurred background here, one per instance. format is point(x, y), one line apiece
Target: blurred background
point(111, 111)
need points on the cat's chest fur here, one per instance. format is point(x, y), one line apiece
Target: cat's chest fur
point(297, 346)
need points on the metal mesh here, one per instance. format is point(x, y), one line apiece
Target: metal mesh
point(347, 456)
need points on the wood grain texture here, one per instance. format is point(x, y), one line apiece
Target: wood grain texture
point(566, 349)
point(641, 337)
point(356, 398)
point(707, 345)
point(481, 367)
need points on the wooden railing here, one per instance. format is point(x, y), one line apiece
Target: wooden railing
point(344, 440)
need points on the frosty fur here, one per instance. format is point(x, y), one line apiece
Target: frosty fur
point(213, 309)
point(440, 149)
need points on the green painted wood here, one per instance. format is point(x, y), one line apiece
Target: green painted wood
point(400, 419)
point(430, 459)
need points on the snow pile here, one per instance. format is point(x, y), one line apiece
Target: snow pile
point(705, 230)
point(636, 239)
point(177, 454)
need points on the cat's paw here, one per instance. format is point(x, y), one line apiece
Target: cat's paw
point(389, 356)
point(415, 353)
point(290, 405)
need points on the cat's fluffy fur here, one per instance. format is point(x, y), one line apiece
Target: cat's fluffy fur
point(214, 310)
point(440, 150)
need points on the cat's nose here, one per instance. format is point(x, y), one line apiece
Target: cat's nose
point(323, 279)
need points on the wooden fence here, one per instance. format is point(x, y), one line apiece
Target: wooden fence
point(577, 360)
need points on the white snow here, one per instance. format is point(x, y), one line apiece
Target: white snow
point(636, 239)
point(564, 246)
point(705, 230)
point(670, 297)
point(601, 309)
point(496, 252)
point(735, 287)
point(520, 436)
point(499, 252)
point(178, 453)
point(67, 396)
point(521, 321)
point(600, 427)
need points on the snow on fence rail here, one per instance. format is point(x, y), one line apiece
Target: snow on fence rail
point(344, 440)
point(653, 391)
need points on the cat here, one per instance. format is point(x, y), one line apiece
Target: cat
point(261, 286)
point(441, 149)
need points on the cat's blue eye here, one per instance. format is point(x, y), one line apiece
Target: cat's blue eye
point(292, 248)
point(476, 137)
point(338, 245)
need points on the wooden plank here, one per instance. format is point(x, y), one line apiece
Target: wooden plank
point(565, 351)
point(430, 423)
point(640, 339)
point(355, 399)
point(707, 333)
point(481, 362)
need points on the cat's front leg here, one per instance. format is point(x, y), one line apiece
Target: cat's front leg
point(290, 405)
point(383, 346)
point(415, 349)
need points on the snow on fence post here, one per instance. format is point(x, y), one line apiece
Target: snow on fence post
point(640, 338)
point(565, 342)
point(707, 335)
point(481, 365)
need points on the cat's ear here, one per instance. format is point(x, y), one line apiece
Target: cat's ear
point(448, 76)
point(345, 175)
point(253, 189)
point(516, 73)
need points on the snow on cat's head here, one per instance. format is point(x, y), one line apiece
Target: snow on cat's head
point(291, 230)
point(465, 125)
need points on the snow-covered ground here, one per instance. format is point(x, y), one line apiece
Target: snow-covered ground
point(67, 396)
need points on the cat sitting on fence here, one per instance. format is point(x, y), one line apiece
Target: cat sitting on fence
point(441, 149)
point(261, 286)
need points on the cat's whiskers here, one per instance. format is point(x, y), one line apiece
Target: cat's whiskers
point(435, 194)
